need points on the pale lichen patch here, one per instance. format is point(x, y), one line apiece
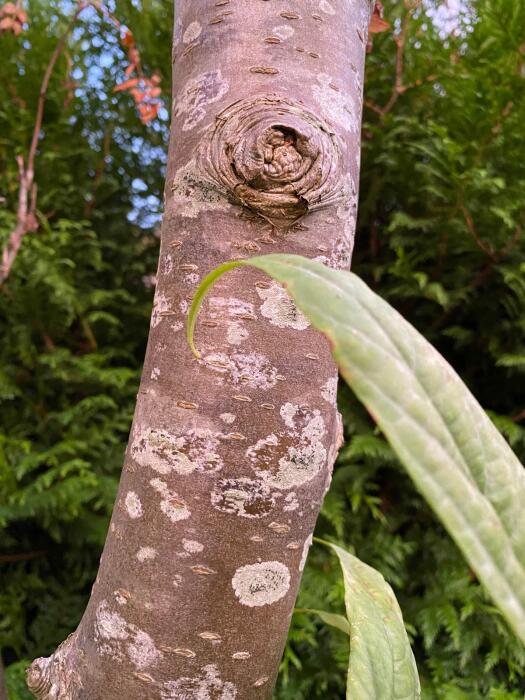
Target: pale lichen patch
point(303, 460)
point(301, 464)
point(335, 104)
point(329, 390)
point(253, 369)
point(192, 32)
point(208, 685)
point(161, 451)
point(183, 454)
point(290, 502)
point(246, 498)
point(288, 412)
point(260, 584)
point(171, 504)
point(145, 553)
point(121, 596)
point(192, 195)
point(306, 547)
point(236, 333)
point(133, 505)
point(167, 264)
point(117, 638)
point(192, 546)
point(161, 305)
point(234, 308)
point(326, 7)
point(227, 418)
point(197, 94)
point(280, 309)
point(283, 31)
point(264, 450)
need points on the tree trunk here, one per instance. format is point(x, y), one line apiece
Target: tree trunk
point(229, 456)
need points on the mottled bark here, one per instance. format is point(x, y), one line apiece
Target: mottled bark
point(229, 456)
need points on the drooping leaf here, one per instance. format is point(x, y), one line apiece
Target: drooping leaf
point(381, 664)
point(333, 619)
point(455, 455)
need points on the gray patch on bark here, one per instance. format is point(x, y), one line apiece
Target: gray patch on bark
point(208, 685)
point(193, 195)
point(260, 584)
point(243, 497)
point(119, 639)
point(197, 94)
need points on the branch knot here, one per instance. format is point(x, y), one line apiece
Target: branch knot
point(272, 155)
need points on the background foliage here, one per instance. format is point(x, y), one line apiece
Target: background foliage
point(441, 210)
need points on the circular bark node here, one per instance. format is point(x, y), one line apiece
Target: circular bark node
point(272, 155)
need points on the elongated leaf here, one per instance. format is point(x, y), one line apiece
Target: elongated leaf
point(452, 451)
point(381, 664)
point(332, 619)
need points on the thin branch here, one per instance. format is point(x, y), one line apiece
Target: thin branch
point(399, 86)
point(25, 218)
point(473, 232)
point(14, 241)
point(26, 214)
point(23, 556)
point(99, 172)
point(480, 278)
point(45, 84)
point(519, 416)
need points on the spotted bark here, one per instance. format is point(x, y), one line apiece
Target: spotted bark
point(229, 456)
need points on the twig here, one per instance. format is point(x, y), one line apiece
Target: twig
point(99, 172)
point(519, 416)
point(25, 218)
point(472, 230)
point(479, 279)
point(23, 556)
point(399, 86)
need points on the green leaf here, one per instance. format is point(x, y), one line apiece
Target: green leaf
point(332, 619)
point(455, 455)
point(381, 664)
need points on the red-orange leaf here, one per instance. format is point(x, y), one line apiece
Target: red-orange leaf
point(8, 9)
point(377, 23)
point(126, 85)
point(6, 23)
point(138, 95)
point(128, 39)
point(134, 56)
point(147, 112)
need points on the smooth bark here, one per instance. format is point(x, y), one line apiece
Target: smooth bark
point(230, 455)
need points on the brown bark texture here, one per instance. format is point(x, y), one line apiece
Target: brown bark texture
point(229, 456)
